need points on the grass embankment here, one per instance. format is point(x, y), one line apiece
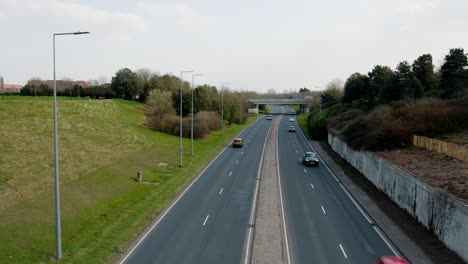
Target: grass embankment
point(102, 146)
point(302, 121)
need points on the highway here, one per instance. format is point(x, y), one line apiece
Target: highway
point(322, 222)
point(209, 223)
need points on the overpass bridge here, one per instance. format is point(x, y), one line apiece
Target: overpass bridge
point(254, 103)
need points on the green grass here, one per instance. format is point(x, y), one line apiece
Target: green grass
point(102, 146)
point(302, 120)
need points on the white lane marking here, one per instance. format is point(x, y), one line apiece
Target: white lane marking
point(342, 250)
point(221, 191)
point(206, 219)
point(248, 248)
point(180, 197)
point(354, 202)
point(305, 170)
point(349, 195)
point(242, 152)
point(299, 159)
point(296, 151)
point(237, 161)
point(386, 242)
point(230, 173)
point(311, 185)
point(323, 209)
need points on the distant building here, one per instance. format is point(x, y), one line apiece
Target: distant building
point(12, 88)
point(61, 84)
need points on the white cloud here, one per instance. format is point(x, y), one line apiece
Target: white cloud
point(47, 13)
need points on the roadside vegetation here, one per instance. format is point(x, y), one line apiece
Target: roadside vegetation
point(381, 110)
point(102, 145)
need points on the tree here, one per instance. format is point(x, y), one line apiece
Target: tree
point(186, 100)
point(453, 74)
point(160, 102)
point(402, 84)
point(423, 70)
point(355, 88)
point(327, 100)
point(335, 89)
point(125, 84)
point(379, 77)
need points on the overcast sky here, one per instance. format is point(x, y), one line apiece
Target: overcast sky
point(254, 45)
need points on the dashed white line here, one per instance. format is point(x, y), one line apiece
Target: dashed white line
point(342, 250)
point(299, 159)
point(305, 170)
point(323, 209)
point(206, 219)
point(230, 173)
point(311, 185)
point(296, 151)
point(221, 191)
point(242, 152)
point(237, 161)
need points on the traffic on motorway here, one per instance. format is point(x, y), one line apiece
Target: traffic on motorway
point(209, 221)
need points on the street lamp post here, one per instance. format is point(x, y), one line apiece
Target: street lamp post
point(222, 107)
point(58, 234)
point(191, 127)
point(181, 82)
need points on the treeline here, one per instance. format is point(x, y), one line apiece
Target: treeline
point(161, 93)
point(383, 108)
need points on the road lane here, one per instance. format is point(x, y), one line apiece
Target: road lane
point(209, 223)
point(324, 225)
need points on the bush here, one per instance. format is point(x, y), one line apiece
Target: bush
point(203, 123)
point(389, 127)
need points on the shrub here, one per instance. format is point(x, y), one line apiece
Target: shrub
point(389, 127)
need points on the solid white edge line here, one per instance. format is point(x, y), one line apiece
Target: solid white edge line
point(323, 210)
point(342, 250)
point(288, 255)
point(248, 250)
point(221, 191)
point(311, 185)
point(358, 207)
point(386, 242)
point(206, 219)
point(349, 195)
point(181, 195)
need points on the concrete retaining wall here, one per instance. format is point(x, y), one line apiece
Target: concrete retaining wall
point(436, 210)
point(449, 149)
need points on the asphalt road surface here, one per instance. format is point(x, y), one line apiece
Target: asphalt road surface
point(209, 223)
point(322, 222)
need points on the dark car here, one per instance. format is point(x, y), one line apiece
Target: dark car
point(292, 129)
point(310, 159)
point(237, 143)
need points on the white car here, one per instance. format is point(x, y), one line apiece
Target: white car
point(291, 119)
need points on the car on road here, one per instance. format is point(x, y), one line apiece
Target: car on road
point(291, 119)
point(291, 129)
point(391, 260)
point(237, 143)
point(269, 117)
point(310, 159)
